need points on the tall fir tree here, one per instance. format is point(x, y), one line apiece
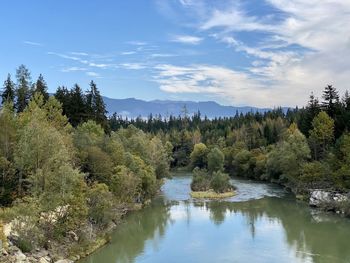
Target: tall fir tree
point(41, 86)
point(8, 92)
point(23, 88)
point(96, 106)
point(331, 100)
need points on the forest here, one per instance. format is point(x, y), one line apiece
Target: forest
point(69, 168)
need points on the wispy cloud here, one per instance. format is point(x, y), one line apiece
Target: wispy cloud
point(32, 43)
point(163, 55)
point(125, 53)
point(186, 39)
point(298, 47)
point(92, 74)
point(84, 61)
point(137, 43)
point(73, 69)
point(79, 54)
point(134, 66)
point(234, 86)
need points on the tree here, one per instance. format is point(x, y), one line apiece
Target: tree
point(23, 88)
point(284, 162)
point(331, 100)
point(310, 112)
point(220, 182)
point(159, 158)
point(8, 131)
point(216, 160)
point(125, 185)
point(199, 155)
point(100, 204)
point(322, 134)
point(8, 92)
point(77, 112)
point(41, 86)
point(96, 106)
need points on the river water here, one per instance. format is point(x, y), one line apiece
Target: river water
point(262, 224)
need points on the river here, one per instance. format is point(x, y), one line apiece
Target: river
point(262, 224)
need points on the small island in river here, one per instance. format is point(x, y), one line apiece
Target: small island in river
point(209, 180)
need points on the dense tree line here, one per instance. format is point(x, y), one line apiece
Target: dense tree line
point(62, 170)
point(301, 148)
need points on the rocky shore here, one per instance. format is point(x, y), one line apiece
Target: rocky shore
point(330, 201)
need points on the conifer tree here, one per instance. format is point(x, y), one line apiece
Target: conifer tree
point(8, 92)
point(23, 88)
point(41, 86)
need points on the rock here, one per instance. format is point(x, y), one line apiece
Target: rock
point(43, 260)
point(20, 257)
point(64, 261)
point(319, 197)
point(4, 252)
point(73, 236)
point(41, 253)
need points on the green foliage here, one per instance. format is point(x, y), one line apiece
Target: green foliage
point(100, 203)
point(285, 160)
point(215, 160)
point(8, 92)
point(200, 180)
point(220, 182)
point(322, 134)
point(125, 185)
point(199, 155)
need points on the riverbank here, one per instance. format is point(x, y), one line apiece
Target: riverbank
point(69, 250)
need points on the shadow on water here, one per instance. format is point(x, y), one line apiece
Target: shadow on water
point(271, 227)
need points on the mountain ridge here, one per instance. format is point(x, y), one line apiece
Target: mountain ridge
point(132, 108)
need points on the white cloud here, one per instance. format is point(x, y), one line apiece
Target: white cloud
point(92, 74)
point(32, 43)
point(83, 61)
point(128, 52)
point(163, 55)
point(72, 69)
point(186, 39)
point(137, 43)
point(299, 47)
point(134, 66)
point(79, 54)
point(234, 86)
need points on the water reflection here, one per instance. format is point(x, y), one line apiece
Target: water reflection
point(268, 229)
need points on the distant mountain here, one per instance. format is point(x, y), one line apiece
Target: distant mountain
point(132, 108)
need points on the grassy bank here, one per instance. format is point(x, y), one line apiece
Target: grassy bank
point(211, 194)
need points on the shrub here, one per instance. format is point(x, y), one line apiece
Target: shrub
point(200, 180)
point(220, 182)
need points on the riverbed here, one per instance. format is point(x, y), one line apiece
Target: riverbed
point(262, 223)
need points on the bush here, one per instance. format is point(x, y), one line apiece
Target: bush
point(220, 182)
point(200, 180)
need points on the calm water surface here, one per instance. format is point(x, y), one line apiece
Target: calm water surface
point(260, 224)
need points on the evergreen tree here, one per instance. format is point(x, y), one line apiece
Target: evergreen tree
point(41, 86)
point(23, 88)
point(312, 109)
point(96, 106)
point(331, 100)
point(8, 92)
point(77, 111)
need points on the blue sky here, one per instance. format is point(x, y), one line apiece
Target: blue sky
point(257, 52)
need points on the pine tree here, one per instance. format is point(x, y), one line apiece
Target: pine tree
point(78, 110)
point(96, 106)
point(41, 86)
point(8, 92)
point(331, 100)
point(23, 88)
